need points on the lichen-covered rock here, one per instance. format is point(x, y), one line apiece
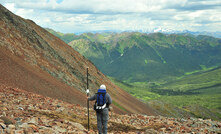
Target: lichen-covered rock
point(77, 125)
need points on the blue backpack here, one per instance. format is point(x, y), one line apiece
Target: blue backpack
point(100, 103)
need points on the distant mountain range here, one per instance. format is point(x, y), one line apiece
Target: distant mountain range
point(155, 30)
point(134, 56)
point(196, 33)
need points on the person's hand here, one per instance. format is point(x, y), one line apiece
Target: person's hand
point(110, 108)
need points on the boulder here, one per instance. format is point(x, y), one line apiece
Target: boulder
point(78, 125)
point(6, 120)
point(19, 132)
point(59, 129)
point(151, 131)
point(33, 120)
point(2, 126)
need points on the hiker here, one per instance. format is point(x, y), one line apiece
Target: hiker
point(101, 106)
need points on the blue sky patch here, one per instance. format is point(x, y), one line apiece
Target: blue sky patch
point(59, 1)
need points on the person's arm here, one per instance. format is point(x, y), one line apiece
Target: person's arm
point(109, 100)
point(92, 98)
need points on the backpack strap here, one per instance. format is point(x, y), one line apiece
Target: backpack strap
point(103, 93)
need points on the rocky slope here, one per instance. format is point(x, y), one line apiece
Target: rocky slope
point(26, 112)
point(36, 61)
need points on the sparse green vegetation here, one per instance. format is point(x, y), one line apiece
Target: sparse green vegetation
point(145, 61)
point(211, 101)
point(65, 37)
point(204, 93)
point(119, 106)
point(206, 79)
point(140, 91)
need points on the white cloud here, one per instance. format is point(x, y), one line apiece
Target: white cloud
point(92, 15)
point(10, 6)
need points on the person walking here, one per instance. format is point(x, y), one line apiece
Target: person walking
point(101, 106)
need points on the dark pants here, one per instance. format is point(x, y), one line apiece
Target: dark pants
point(102, 118)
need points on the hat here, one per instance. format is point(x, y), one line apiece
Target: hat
point(103, 87)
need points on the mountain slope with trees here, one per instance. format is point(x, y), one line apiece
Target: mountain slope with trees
point(143, 57)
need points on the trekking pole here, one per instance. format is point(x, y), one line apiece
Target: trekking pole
point(88, 100)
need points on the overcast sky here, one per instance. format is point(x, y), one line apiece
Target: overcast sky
point(73, 16)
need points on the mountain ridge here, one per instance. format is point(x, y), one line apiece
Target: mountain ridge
point(30, 53)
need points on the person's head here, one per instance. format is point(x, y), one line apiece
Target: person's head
point(103, 87)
